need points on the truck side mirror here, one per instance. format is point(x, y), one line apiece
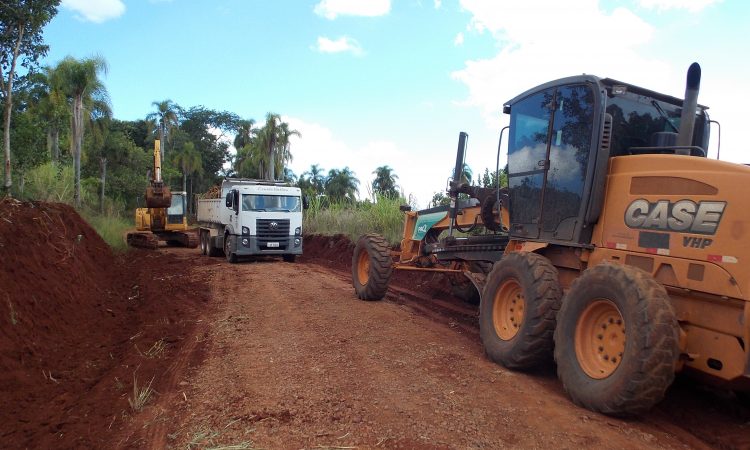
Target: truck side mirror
point(236, 201)
point(229, 200)
point(305, 202)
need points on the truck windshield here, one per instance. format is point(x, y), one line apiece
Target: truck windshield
point(255, 202)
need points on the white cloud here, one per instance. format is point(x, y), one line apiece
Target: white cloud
point(459, 40)
point(330, 9)
point(342, 44)
point(438, 4)
point(418, 176)
point(690, 5)
point(563, 39)
point(97, 11)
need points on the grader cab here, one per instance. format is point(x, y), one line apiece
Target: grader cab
point(617, 247)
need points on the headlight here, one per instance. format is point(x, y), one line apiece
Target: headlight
point(246, 231)
point(245, 242)
point(297, 241)
point(298, 231)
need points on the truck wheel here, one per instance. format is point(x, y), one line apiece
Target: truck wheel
point(289, 258)
point(231, 257)
point(518, 309)
point(602, 367)
point(204, 245)
point(371, 267)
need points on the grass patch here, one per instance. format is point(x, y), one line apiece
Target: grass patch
point(354, 220)
point(111, 228)
point(141, 395)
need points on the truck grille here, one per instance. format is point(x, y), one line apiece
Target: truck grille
point(272, 230)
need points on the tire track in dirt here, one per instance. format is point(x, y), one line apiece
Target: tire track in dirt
point(708, 418)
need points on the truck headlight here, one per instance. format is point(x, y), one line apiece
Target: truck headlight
point(298, 231)
point(245, 242)
point(297, 241)
point(246, 231)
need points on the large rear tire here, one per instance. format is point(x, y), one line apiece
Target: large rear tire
point(371, 267)
point(518, 309)
point(212, 249)
point(602, 367)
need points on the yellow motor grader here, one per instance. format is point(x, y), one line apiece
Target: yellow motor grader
point(164, 217)
point(618, 247)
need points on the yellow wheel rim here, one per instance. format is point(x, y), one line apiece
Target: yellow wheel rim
point(363, 268)
point(600, 339)
point(508, 309)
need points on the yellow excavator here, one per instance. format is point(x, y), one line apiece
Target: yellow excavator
point(163, 218)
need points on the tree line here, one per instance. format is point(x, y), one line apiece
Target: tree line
point(61, 116)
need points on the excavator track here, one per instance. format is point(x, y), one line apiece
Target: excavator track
point(143, 239)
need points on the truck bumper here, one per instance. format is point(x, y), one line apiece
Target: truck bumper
point(252, 245)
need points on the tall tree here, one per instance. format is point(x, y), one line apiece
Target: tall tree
point(166, 120)
point(21, 25)
point(88, 96)
point(385, 182)
point(273, 147)
point(316, 177)
point(187, 158)
point(341, 184)
point(54, 110)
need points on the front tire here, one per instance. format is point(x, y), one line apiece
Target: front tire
point(371, 267)
point(231, 257)
point(602, 367)
point(518, 309)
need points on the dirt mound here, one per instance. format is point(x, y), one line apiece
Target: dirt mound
point(76, 323)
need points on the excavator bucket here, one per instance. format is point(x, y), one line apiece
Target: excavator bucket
point(158, 196)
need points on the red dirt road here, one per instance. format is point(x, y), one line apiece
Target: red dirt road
point(267, 354)
point(294, 360)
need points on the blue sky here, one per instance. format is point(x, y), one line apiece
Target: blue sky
point(376, 82)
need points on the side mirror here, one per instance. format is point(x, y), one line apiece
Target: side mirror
point(236, 201)
point(228, 201)
point(305, 202)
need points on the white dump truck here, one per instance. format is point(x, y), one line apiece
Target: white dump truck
point(252, 218)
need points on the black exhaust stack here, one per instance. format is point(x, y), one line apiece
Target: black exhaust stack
point(689, 108)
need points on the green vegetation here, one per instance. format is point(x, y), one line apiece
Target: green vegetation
point(111, 228)
point(355, 219)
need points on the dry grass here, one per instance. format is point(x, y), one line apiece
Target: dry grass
point(141, 395)
point(156, 350)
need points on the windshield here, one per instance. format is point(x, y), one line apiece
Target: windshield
point(177, 208)
point(637, 118)
point(255, 202)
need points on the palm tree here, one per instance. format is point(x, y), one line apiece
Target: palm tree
point(166, 119)
point(341, 184)
point(87, 94)
point(243, 142)
point(245, 133)
point(316, 178)
point(385, 182)
point(189, 160)
point(272, 146)
point(54, 110)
